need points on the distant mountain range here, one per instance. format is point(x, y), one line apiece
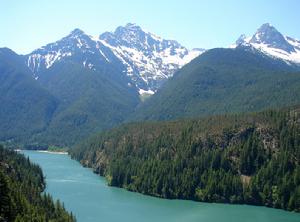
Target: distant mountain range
point(78, 85)
point(148, 60)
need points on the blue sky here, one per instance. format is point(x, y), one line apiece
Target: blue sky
point(29, 24)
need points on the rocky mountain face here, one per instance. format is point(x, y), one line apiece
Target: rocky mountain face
point(149, 59)
point(270, 41)
point(146, 59)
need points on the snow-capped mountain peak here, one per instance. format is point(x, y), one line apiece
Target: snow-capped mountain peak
point(268, 35)
point(76, 46)
point(150, 60)
point(270, 41)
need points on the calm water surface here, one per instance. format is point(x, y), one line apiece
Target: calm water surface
point(91, 200)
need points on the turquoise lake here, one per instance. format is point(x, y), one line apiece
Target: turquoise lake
point(91, 200)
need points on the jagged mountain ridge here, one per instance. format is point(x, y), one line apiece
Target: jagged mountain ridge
point(270, 41)
point(78, 47)
point(146, 59)
point(149, 59)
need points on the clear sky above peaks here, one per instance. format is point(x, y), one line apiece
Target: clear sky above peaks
point(30, 24)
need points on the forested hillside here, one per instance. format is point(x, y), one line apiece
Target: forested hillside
point(247, 158)
point(224, 81)
point(27, 108)
point(90, 101)
point(21, 187)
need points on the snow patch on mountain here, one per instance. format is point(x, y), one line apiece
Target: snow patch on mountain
point(149, 92)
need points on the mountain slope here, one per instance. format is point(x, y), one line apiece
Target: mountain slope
point(89, 82)
point(26, 108)
point(90, 101)
point(223, 81)
point(64, 103)
point(270, 41)
point(246, 159)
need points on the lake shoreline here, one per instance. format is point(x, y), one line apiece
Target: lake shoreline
point(53, 152)
point(45, 151)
